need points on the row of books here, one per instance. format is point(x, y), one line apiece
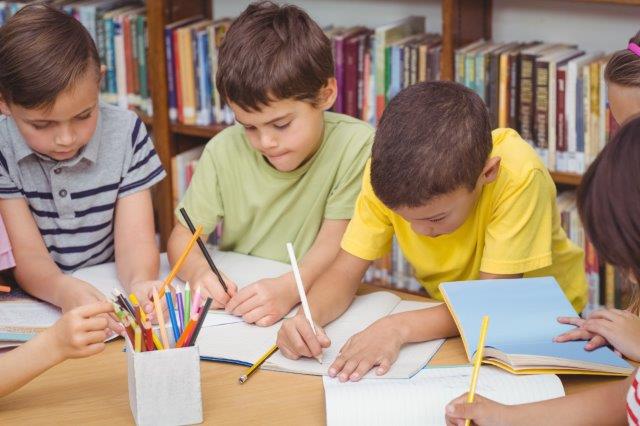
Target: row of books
point(371, 66)
point(119, 29)
point(553, 94)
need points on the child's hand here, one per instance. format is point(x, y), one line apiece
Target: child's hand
point(482, 411)
point(81, 332)
point(619, 328)
point(264, 302)
point(211, 287)
point(144, 293)
point(296, 338)
point(377, 345)
point(79, 293)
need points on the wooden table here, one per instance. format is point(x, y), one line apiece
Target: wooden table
point(94, 391)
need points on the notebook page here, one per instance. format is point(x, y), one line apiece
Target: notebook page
point(364, 311)
point(421, 400)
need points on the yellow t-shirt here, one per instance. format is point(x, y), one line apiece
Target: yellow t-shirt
point(514, 228)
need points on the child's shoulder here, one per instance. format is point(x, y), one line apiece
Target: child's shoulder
point(344, 125)
point(517, 157)
point(120, 118)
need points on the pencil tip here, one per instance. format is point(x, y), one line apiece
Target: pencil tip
point(242, 379)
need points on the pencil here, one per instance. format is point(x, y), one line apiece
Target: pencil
point(181, 259)
point(134, 300)
point(137, 345)
point(187, 305)
point(477, 362)
point(195, 303)
point(180, 309)
point(172, 317)
point(185, 334)
point(203, 314)
point(204, 250)
point(5, 289)
point(118, 294)
point(160, 315)
point(257, 364)
point(303, 297)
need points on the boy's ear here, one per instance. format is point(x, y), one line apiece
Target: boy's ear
point(4, 108)
point(490, 170)
point(328, 94)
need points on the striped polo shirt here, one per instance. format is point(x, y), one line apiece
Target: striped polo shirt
point(73, 201)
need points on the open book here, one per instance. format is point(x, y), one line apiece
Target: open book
point(243, 343)
point(523, 322)
point(22, 316)
point(422, 399)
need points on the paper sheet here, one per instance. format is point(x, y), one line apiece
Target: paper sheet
point(421, 400)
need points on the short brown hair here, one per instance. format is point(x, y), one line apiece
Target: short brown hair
point(623, 67)
point(43, 51)
point(609, 203)
point(271, 53)
point(433, 138)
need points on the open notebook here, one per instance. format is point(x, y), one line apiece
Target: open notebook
point(242, 343)
point(522, 326)
point(422, 399)
point(22, 316)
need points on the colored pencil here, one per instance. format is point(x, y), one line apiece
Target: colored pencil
point(160, 315)
point(5, 289)
point(118, 294)
point(257, 364)
point(203, 314)
point(187, 305)
point(477, 362)
point(185, 334)
point(169, 278)
point(301, 292)
point(195, 303)
point(134, 300)
point(137, 345)
point(180, 309)
point(172, 317)
point(204, 250)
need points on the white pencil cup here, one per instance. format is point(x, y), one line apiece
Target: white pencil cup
point(164, 386)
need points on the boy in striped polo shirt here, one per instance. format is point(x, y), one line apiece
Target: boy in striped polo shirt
point(74, 173)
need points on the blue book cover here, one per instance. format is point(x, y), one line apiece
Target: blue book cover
point(523, 322)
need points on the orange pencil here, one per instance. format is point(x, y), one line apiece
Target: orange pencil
point(186, 334)
point(5, 289)
point(180, 261)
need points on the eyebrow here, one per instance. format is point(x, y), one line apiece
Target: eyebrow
point(268, 122)
point(53, 121)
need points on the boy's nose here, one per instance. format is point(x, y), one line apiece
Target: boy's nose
point(267, 142)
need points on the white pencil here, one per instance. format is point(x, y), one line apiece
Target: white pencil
point(301, 292)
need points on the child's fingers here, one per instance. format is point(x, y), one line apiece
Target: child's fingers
point(348, 369)
point(607, 314)
point(93, 349)
point(337, 365)
point(92, 337)
point(324, 340)
point(268, 320)
point(297, 345)
point(243, 303)
point(602, 327)
point(595, 343)
point(363, 368)
point(577, 334)
point(310, 340)
point(93, 309)
point(255, 315)
point(95, 323)
point(577, 321)
point(383, 367)
point(239, 298)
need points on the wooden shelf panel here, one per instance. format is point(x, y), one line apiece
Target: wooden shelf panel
point(562, 178)
point(198, 131)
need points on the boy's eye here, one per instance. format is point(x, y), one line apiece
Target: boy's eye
point(83, 117)
point(40, 126)
point(282, 126)
point(437, 220)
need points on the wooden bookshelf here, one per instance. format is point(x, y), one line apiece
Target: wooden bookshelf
point(463, 21)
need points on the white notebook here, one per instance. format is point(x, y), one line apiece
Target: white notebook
point(242, 343)
point(422, 399)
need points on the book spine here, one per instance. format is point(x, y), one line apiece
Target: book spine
point(128, 57)
point(561, 119)
point(594, 109)
point(196, 71)
point(338, 54)
point(177, 71)
point(100, 45)
point(361, 43)
point(142, 57)
point(584, 143)
point(110, 58)
point(527, 100)
point(133, 23)
point(480, 76)
point(503, 87)
point(121, 73)
point(171, 78)
point(541, 109)
point(552, 117)
point(422, 62)
point(350, 101)
point(202, 89)
point(514, 92)
point(206, 82)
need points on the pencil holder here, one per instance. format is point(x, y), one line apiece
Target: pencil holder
point(164, 386)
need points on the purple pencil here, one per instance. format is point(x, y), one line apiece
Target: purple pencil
point(180, 309)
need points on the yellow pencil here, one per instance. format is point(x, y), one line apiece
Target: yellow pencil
point(257, 364)
point(477, 361)
point(160, 315)
point(138, 338)
point(135, 302)
point(181, 260)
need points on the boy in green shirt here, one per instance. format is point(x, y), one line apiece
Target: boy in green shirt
point(288, 171)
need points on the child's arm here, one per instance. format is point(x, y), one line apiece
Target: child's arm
point(37, 274)
point(605, 404)
point(136, 251)
point(328, 298)
point(79, 333)
point(196, 270)
point(267, 301)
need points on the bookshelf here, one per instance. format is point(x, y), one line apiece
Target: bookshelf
point(463, 21)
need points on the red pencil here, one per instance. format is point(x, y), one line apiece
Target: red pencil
point(184, 338)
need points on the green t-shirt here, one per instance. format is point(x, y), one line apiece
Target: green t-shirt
point(262, 208)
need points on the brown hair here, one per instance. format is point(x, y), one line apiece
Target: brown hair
point(623, 67)
point(609, 203)
point(43, 51)
point(433, 138)
point(271, 53)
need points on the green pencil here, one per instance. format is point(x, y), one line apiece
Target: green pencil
point(187, 304)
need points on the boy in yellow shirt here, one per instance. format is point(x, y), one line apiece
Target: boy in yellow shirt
point(464, 203)
point(288, 171)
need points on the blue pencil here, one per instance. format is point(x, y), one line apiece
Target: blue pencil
point(180, 309)
point(172, 315)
